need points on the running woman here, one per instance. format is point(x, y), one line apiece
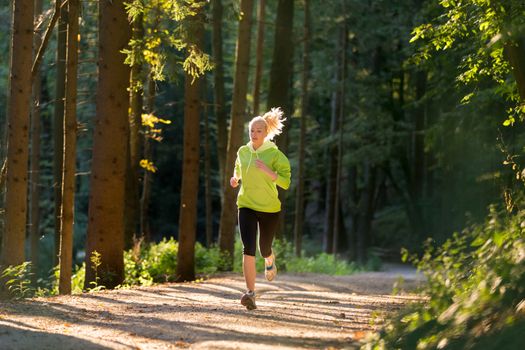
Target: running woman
point(259, 168)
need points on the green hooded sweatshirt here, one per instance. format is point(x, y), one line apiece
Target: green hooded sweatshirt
point(258, 191)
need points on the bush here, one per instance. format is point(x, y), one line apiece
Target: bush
point(287, 261)
point(157, 262)
point(18, 280)
point(322, 263)
point(476, 291)
point(146, 264)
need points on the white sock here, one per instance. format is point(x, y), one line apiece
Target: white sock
point(269, 260)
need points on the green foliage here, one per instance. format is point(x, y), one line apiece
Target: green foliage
point(18, 280)
point(480, 31)
point(96, 261)
point(151, 130)
point(167, 32)
point(208, 260)
point(146, 264)
point(77, 279)
point(322, 263)
point(288, 262)
point(476, 291)
point(157, 262)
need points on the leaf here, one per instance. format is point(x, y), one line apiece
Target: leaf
point(509, 122)
point(499, 238)
point(479, 241)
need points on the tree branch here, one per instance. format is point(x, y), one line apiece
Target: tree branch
point(47, 36)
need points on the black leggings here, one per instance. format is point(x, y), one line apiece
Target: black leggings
point(248, 220)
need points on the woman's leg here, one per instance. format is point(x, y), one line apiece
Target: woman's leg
point(248, 267)
point(248, 228)
point(268, 223)
point(267, 227)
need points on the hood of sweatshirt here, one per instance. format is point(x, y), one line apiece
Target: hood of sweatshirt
point(266, 145)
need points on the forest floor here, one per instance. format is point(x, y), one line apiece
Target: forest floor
point(307, 311)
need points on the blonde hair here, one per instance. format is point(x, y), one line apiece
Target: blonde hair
point(273, 120)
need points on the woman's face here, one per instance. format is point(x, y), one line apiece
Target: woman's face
point(258, 134)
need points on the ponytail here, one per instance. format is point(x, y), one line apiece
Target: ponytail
point(274, 122)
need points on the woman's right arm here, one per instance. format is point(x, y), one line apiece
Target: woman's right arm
point(234, 180)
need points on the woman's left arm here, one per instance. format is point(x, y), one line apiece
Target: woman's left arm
point(265, 168)
point(282, 168)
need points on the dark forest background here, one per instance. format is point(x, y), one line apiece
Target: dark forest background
point(418, 155)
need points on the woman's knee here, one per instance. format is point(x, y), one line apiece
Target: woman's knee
point(248, 250)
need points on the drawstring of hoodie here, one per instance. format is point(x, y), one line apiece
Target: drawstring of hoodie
point(251, 156)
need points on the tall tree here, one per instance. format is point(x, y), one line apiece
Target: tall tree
point(34, 180)
point(331, 154)
point(238, 116)
point(135, 122)
point(299, 198)
point(279, 92)
point(218, 87)
point(208, 192)
point(58, 121)
point(259, 54)
point(105, 233)
point(515, 51)
point(18, 133)
point(190, 163)
point(339, 234)
point(69, 154)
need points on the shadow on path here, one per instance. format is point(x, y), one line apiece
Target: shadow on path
point(295, 311)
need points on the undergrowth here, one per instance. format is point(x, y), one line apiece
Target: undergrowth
point(475, 289)
point(147, 264)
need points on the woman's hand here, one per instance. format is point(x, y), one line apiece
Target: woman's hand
point(263, 167)
point(234, 182)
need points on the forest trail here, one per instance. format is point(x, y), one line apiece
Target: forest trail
point(307, 311)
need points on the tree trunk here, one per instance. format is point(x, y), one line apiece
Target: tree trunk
point(3, 175)
point(338, 228)
point(34, 179)
point(135, 122)
point(207, 181)
point(240, 88)
point(279, 92)
point(146, 180)
point(58, 121)
point(218, 89)
point(281, 69)
point(366, 211)
point(18, 133)
point(515, 52)
point(70, 148)
point(299, 199)
point(259, 55)
point(110, 146)
point(190, 166)
point(354, 199)
point(419, 153)
point(331, 177)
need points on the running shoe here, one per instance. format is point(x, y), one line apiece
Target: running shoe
point(248, 300)
point(270, 270)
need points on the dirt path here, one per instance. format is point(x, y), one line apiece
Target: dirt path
point(294, 312)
